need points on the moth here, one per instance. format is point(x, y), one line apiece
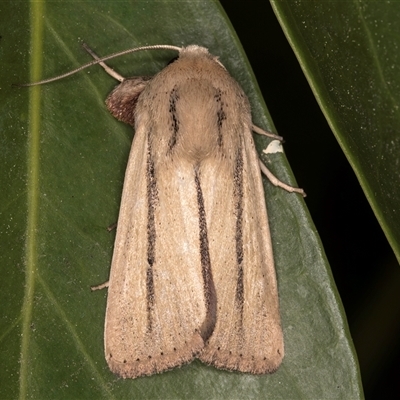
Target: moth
point(192, 273)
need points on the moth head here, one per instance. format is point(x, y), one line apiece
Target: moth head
point(198, 51)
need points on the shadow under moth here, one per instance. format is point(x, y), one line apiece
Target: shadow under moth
point(192, 274)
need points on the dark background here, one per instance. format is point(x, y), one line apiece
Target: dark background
point(365, 269)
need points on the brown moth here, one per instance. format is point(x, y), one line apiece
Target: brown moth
point(192, 274)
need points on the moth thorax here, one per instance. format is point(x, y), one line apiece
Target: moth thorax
point(196, 119)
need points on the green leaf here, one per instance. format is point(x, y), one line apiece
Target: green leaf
point(63, 162)
point(348, 52)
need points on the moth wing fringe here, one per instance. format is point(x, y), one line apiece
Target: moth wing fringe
point(158, 364)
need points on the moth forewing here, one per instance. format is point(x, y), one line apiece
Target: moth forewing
point(247, 336)
point(156, 301)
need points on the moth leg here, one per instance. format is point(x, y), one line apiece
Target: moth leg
point(111, 227)
point(108, 69)
point(273, 179)
point(105, 284)
point(99, 287)
point(260, 131)
point(276, 182)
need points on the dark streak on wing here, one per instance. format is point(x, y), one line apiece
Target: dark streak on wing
point(238, 198)
point(208, 325)
point(221, 116)
point(152, 196)
point(173, 98)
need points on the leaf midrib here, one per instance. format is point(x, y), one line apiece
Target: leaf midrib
point(33, 169)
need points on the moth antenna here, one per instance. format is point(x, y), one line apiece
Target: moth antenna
point(101, 60)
